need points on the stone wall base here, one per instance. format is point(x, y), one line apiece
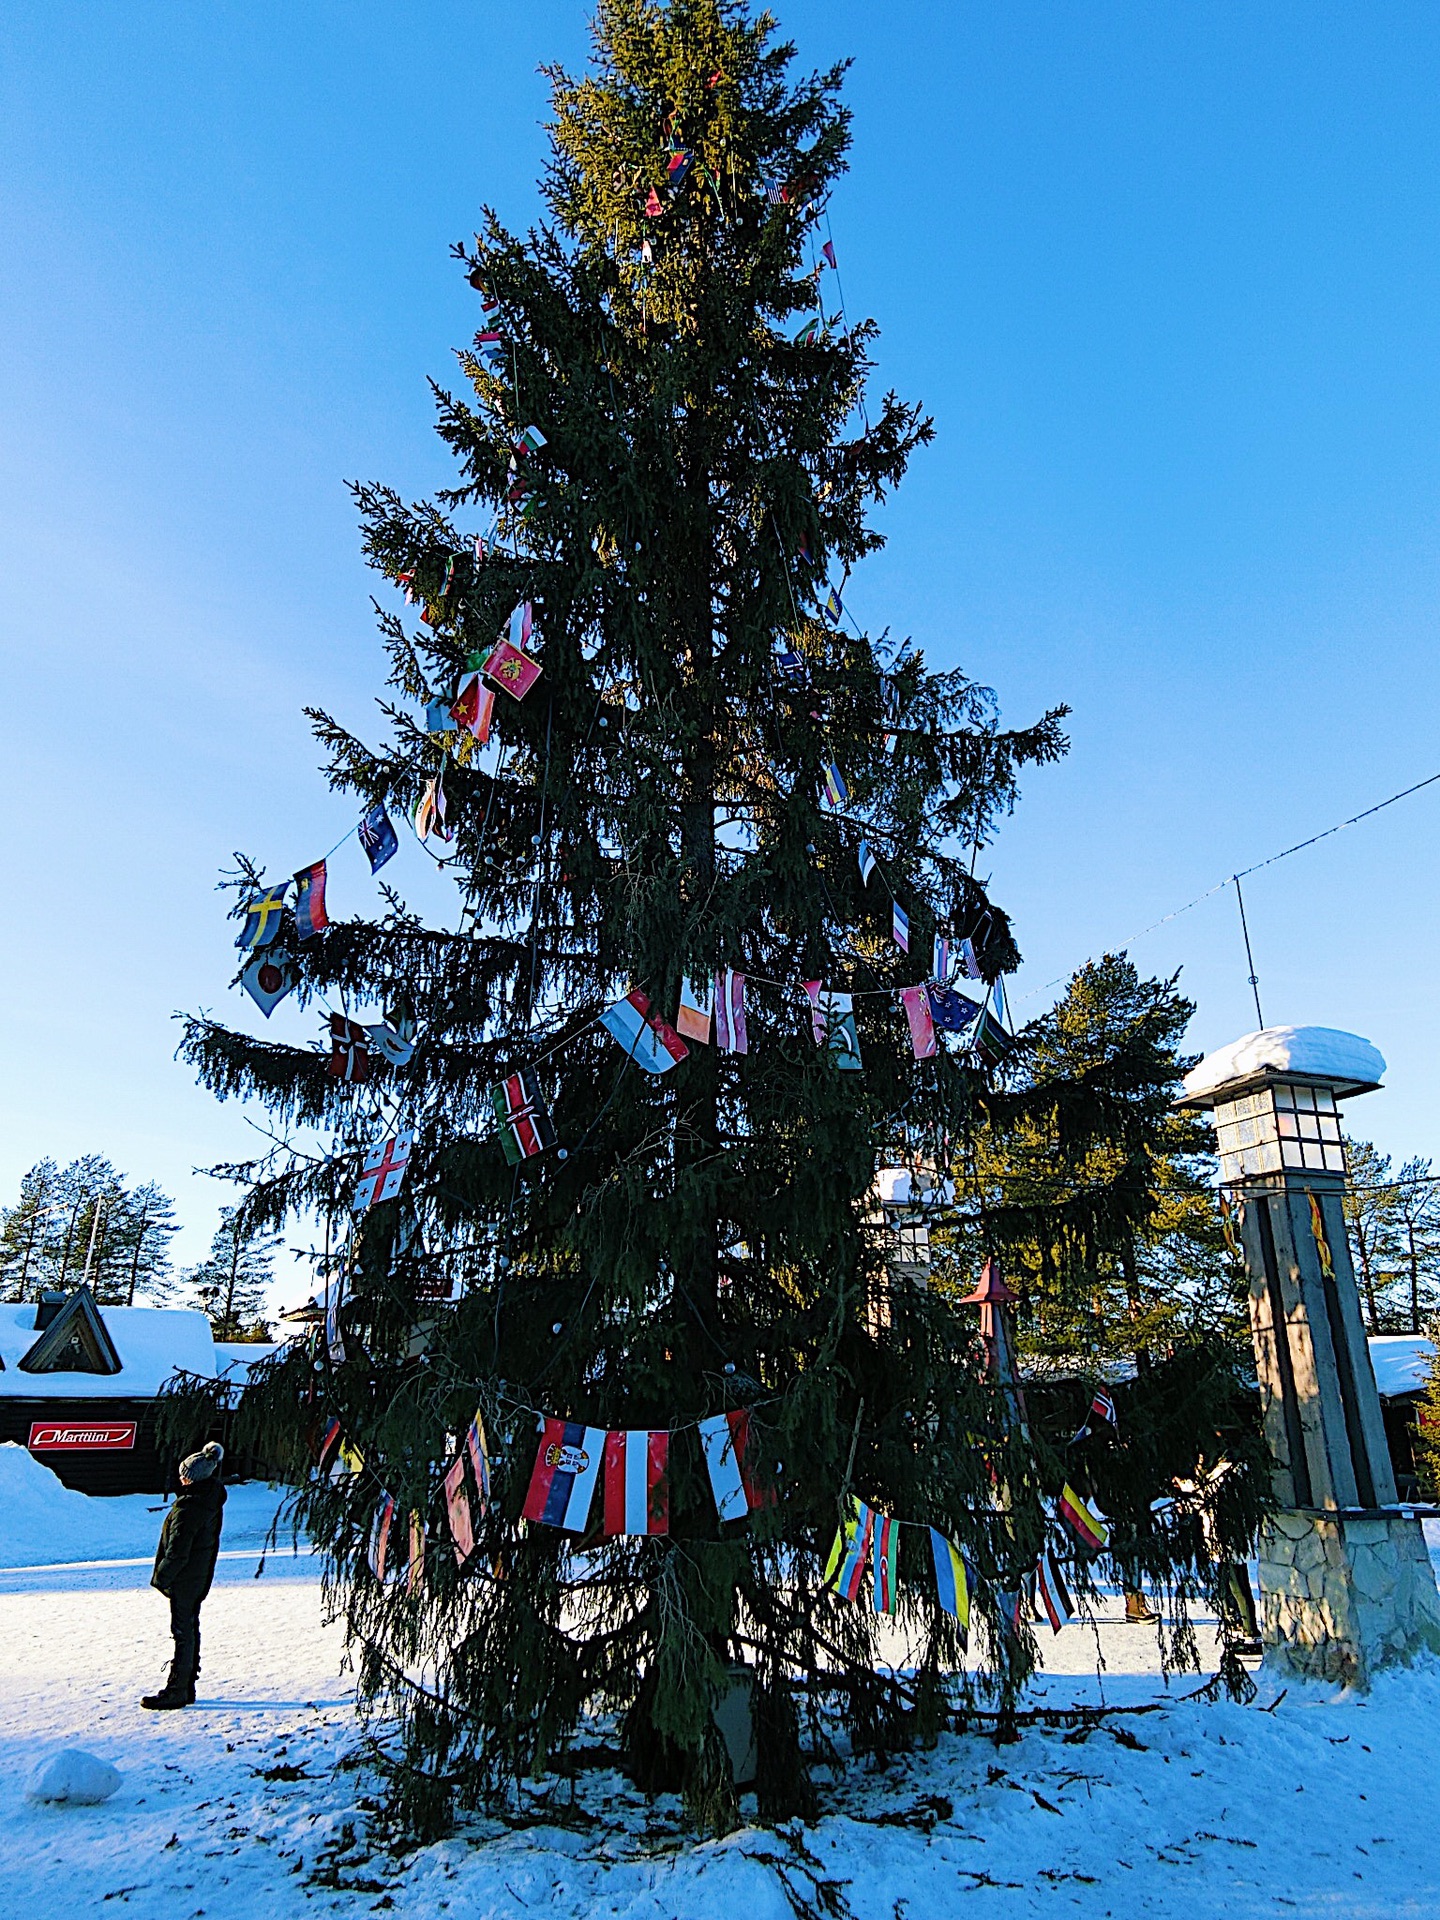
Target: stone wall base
point(1345, 1596)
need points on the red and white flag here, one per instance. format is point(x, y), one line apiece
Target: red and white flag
point(382, 1171)
point(725, 1440)
point(637, 1482)
point(457, 1505)
point(567, 1466)
point(922, 1025)
point(730, 1035)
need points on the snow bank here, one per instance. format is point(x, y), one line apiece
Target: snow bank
point(1323, 1052)
point(1401, 1362)
point(152, 1342)
point(75, 1776)
point(49, 1524)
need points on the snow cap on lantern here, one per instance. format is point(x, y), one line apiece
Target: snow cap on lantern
point(1274, 1096)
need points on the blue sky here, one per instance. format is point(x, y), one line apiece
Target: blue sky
point(1165, 276)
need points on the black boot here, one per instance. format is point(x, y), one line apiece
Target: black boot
point(178, 1691)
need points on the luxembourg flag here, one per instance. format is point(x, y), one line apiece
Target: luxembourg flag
point(650, 1041)
point(637, 1483)
point(725, 1441)
point(566, 1469)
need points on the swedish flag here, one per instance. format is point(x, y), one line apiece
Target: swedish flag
point(262, 918)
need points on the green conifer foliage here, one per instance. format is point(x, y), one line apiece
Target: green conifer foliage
point(704, 1240)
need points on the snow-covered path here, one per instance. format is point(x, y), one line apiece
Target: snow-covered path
point(236, 1807)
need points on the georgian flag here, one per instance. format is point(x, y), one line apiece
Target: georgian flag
point(637, 1483)
point(567, 1466)
point(382, 1172)
point(725, 1442)
point(650, 1041)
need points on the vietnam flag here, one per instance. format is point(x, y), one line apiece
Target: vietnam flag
point(637, 1483)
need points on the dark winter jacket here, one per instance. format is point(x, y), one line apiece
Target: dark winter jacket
point(189, 1542)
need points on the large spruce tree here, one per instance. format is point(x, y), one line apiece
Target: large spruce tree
point(704, 1240)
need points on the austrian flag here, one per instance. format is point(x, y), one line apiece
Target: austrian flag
point(637, 1483)
point(566, 1469)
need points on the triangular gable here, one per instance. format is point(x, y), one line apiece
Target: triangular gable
point(76, 1341)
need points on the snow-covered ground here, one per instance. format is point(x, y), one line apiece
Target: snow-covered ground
point(253, 1802)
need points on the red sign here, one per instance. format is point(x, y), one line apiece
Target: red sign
point(76, 1436)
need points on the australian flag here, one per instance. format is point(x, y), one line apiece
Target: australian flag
point(377, 837)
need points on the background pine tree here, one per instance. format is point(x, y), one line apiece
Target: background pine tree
point(84, 1223)
point(229, 1287)
point(705, 1240)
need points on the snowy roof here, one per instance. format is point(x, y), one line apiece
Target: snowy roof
point(1401, 1362)
point(234, 1358)
point(152, 1342)
point(1306, 1053)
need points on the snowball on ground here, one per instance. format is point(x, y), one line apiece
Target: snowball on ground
point(75, 1776)
point(1320, 1052)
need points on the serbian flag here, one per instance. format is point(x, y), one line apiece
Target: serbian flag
point(886, 1597)
point(922, 1028)
point(566, 1469)
point(1052, 1596)
point(697, 1004)
point(416, 1570)
point(952, 1579)
point(525, 1124)
point(637, 1483)
point(650, 1041)
point(457, 1505)
point(1087, 1525)
point(900, 926)
point(474, 707)
point(310, 915)
point(513, 670)
point(479, 1459)
point(725, 1441)
point(845, 1569)
point(730, 1035)
point(380, 1535)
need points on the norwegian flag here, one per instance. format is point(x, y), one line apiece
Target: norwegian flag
point(525, 1124)
point(637, 1483)
point(382, 1173)
point(349, 1049)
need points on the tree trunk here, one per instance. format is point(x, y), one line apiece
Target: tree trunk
point(1367, 1278)
point(1414, 1278)
point(135, 1258)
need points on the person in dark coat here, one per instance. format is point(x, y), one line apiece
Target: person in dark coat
point(185, 1566)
